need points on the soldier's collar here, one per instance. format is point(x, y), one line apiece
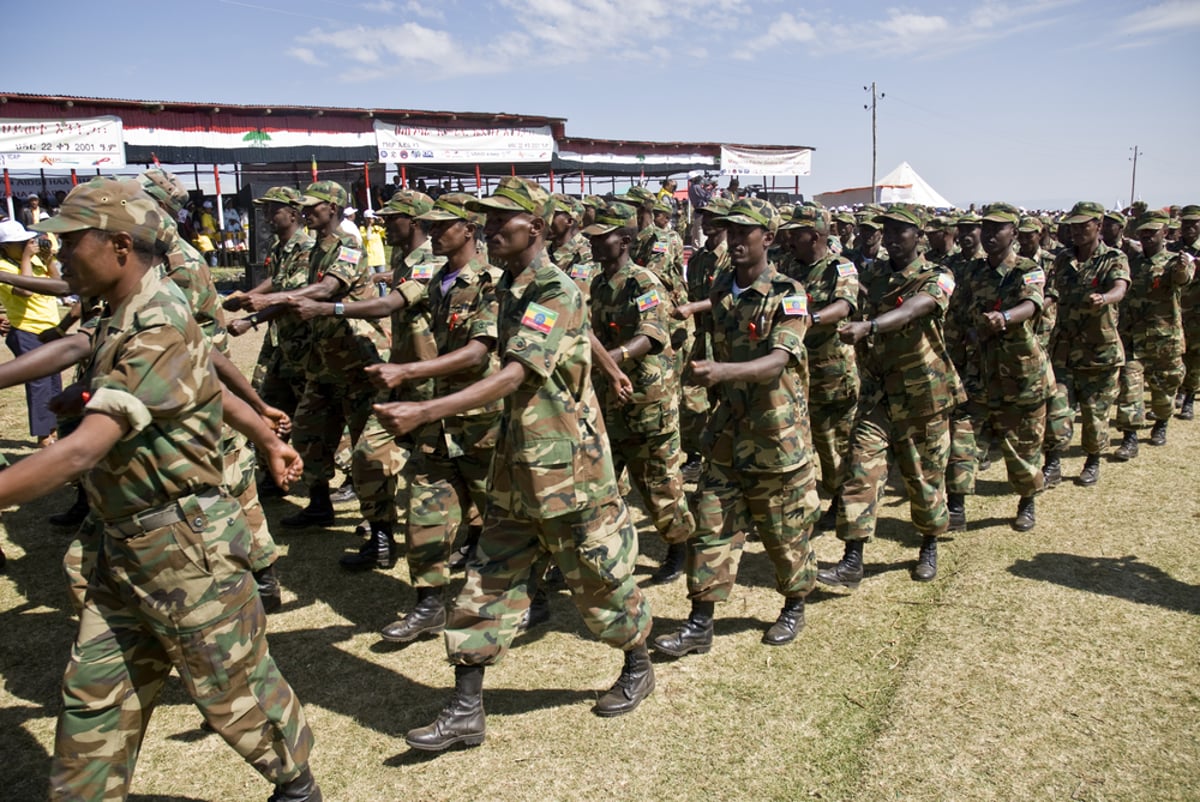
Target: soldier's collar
point(122, 317)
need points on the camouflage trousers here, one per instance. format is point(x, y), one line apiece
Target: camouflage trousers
point(1020, 431)
point(782, 507)
point(239, 479)
point(694, 409)
point(1164, 377)
point(1060, 420)
point(831, 423)
point(1191, 356)
point(966, 423)
point(655, 460)
point(377, 460)
point(921, 447)
point(1094, 390)
point(443, 489)
point(149, 609)
point(596, 549)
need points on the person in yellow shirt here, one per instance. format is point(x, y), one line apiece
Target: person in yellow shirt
point(29, 314)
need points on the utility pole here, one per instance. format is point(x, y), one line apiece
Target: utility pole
point(874, 148)
point(1133, 179)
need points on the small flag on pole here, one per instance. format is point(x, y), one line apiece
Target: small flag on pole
point(314, 169)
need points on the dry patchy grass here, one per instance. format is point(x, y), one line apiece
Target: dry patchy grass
point(1058, 664)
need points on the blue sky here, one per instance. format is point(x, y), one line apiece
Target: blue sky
point(1038, 103)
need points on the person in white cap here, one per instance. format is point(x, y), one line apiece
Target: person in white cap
point(349, 227)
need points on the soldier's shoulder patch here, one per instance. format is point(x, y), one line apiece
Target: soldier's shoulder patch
point(422, 272)
point(539, 318)
point(847, 269)
point(945, 282)
point(1037, 276)
point(795, 305)
point(349, 255)
point(648, 301)
point(581, 271)
point(659, 247)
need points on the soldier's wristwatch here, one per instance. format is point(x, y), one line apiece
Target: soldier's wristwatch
point(339, 310)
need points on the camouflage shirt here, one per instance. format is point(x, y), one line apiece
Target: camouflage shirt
point(633, 302)
point(552, 455)
point(187, 269)
point(1151, 320)
point(832, 368)
point(1087, 337)
point(342, 347)
point(702, 271)
point(1189, 302)
point(760, 427)
point(288, 266)
point(1012, 363)
point(862, 261)
point(1049, 315)
point(412, 326)
point(151, 369)
point(465, 311)
point(576, 250)
point(909, 369)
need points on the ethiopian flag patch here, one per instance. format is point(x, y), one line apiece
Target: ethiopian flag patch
point(946, 282)
point(847, 269)
point(795, 305)
point(539, 318)
point(648, 301)
point(349, 255)
point(422, 272)
point(1035, 277)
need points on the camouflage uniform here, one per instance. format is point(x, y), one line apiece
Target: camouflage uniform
point(452, 456)
point(1086, 348)
point(832, 369)
point(966, 420)
point(279, 373)
point(343, 347)
point(147, 609)
point(909, 387)
point(758, 470)
point(1014, 370)
point(643, 432)
point(575, 251)
point(702, 270)
point(1190, 311)
point(1152, 331)
point(552, 486)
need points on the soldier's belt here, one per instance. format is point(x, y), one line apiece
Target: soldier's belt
point(158, 517)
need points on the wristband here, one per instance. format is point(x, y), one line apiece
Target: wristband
point(339, 310)
point(253, 321)
point(874, 327)
point(816, 318)
point(1007, 318)
point(624, 354)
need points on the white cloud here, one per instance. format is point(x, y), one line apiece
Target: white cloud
point(305, 55)
point(379, 6)
point(1166, 17)
point(786, 29)
point(422, 10)
point(914, 25)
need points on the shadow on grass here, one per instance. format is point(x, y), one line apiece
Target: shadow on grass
point(1122, 577)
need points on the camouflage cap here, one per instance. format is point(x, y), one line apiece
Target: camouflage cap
point(807, 216)
point(325, 192)
point(661, 207)
point(289, 196)
point(1029, 223)
point(1116, 217)
point(1190, 212)
point(567, 204)
point(109, 204)
point(1001, 213)
point(595, 201)
point(868, 214)
point(718, 206)
point(753, 212)
point(166, 188)
point(407, 201)
point(637, 196)
point(900, 214)
point(1153, 220)
point(1175, 224)
point(1084, 211)
point(844, 217)
point(452, 206)
point(785, 211)
point(614, 216)
point(938, 223)
point(968, 219)
point(519, 195)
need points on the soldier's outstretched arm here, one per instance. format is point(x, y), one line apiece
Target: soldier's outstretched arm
point(46, 360)
point(402, 417)
point(62, 462)
point(35, 284)
point(620, 382)
point(918, 306)
point(765, 369)
point(308, 308)
point(390, 376)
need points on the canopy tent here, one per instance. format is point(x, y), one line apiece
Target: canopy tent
point(902, 185)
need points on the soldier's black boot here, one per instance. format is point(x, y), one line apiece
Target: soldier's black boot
point(538, 611)
point(1052, 471)
point(956, 503)
point(1158, 435)
point(635, 684)
point(267, 488)
point(378, 552)
point(268, 589)
point(828, 520)
point(1187, 411)
point(319, 511)
point(458, 559)
point(428, 617)
point(298, 789)
point(461, 720)
point(926, 568)
point(1091, 471)
point(73, 515)
point(672, 565)
point(344, 494)
point(1129, 447)
point(788, 625)
point(1026, 518)
point(695, 635)
point(849, 572)
point(691, 469)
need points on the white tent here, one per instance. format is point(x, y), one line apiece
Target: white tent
point(902, 185)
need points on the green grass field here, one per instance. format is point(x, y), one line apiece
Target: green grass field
point(1059, 664)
